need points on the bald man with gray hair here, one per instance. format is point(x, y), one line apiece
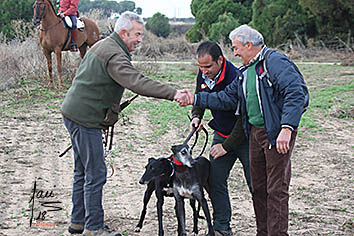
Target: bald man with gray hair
point(125, 21)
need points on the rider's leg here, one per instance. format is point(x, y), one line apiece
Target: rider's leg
point(73, 45)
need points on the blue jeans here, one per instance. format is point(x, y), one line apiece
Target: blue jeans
point(219, 173)
point(90, 175)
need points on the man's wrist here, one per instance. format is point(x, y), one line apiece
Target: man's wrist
point(289, 127)
point(196, 116)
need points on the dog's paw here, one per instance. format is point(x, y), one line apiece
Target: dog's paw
point(137, 229)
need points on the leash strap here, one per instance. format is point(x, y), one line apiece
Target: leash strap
point(206, 140)
point(106, 132)
point(196, 137)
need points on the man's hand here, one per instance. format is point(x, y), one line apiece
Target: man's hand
point(195, 123)
point(217, 151)
point(283, 141)
point(62, 15)
point(184, 97)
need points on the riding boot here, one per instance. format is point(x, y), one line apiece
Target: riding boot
point(73, 45)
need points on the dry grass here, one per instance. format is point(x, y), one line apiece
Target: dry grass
point(22, 58)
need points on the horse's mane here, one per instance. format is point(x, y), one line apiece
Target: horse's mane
point(51, 4)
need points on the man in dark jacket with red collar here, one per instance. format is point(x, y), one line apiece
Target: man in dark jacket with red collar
point(229, 142)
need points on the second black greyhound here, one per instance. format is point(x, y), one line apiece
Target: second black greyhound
point(191, 176)
point(158, 177)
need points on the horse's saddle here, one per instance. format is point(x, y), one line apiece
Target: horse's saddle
point(69, 24)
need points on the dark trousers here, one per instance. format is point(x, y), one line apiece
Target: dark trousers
point(270, 175)
point(219, 173)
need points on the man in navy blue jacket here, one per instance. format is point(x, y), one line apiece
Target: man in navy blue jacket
point(271, 101)
point(229, 141)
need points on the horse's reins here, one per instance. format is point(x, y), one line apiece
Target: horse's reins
point(50, 27)
point(40, 14)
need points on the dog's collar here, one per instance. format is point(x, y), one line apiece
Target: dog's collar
point(177, 162)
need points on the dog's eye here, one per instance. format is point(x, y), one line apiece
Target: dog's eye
point(184, 152)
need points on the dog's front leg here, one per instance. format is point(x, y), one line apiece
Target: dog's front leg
point(149, 190)
point(159, 204)
point(180, 216)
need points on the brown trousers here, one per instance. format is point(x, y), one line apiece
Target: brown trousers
point(270, 178)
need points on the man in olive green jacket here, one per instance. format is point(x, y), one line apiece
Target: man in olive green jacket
point(104, 73)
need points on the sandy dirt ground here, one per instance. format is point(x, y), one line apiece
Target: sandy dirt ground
point(32, 137)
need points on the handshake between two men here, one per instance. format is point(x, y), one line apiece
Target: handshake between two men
point(184, 97)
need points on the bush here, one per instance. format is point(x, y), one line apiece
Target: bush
point(159, 25)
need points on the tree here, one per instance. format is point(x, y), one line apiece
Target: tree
point(159, 25)
point(332, 18)
point(280, 20)
point(208, 12)
point(109, 6)
point(11, 10)
point(220, 30)
point(126, 6)
point(138, 10)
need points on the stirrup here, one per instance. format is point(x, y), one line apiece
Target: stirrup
point(73, 47)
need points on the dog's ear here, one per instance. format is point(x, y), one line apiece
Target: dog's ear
point(151, 159)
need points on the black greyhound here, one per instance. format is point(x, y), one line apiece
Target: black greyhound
point(159, 177)
point(191, 175)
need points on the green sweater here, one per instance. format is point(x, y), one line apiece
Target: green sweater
point(252, 102)
point(104, 73)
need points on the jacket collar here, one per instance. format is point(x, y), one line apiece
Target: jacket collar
point(118, 40)
point(259, 56)
point(222, 75)
point(262, 53)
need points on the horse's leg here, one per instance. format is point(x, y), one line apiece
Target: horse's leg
point(48, 56)
point(83, 49)
point(59, 66)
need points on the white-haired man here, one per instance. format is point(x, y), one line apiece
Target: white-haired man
point(88, 107)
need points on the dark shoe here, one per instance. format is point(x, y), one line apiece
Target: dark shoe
point(76, 229)
point(223, 233)
point(79, 229)
point(100, 232)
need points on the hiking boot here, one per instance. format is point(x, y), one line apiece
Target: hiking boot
point(76, 228)
point(223, 233)
point(100, 232)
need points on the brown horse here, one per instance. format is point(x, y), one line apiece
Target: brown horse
point(53, 34)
